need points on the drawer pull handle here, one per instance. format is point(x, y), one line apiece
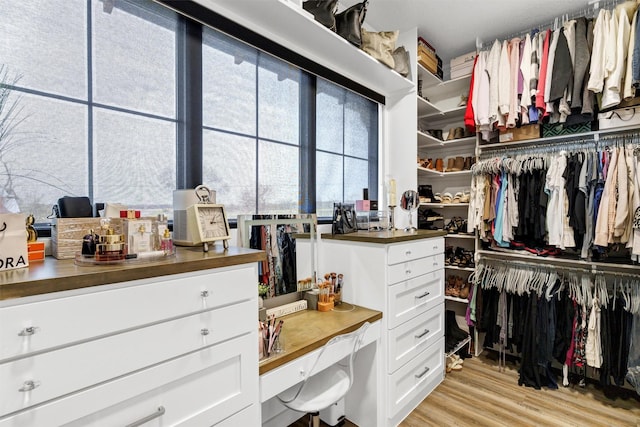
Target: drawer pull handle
point(435, 247)
point(160, 412)
point(426, 331)
point(435, 263)
point(204, 331)
point(29, 385)
point(423, 373)
point(28, 331)
point(408, 253)
point(408, 272)
point(204, 294)
point(426, 294)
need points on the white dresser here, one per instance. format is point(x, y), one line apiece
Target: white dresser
point(402, 276)
point(172, 350)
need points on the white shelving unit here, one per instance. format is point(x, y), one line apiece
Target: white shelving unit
point(441, 110)
point(313, 40)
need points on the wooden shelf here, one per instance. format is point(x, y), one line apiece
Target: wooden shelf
point(444, 205)
point(316, 42)
point(455, 267)
point(431, 111)
point(427, 141)
point(459, 345)
point(456, 299)
point(435, 173)
point(460, 236)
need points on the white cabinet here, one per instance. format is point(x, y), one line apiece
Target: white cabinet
point(405, 280)
point(154, 349)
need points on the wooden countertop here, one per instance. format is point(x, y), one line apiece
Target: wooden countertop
point(54, 275)
point(308, 330)
point(385, 237)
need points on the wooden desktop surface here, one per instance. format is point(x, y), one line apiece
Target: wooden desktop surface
point(308, 330)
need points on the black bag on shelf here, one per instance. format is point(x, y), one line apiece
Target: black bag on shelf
point(324, 11)
point(74, 207)
point(344, 219)
point(349, 23)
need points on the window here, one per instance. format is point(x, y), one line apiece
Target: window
point(93, 108)
point(95, 98)
point(346, 144)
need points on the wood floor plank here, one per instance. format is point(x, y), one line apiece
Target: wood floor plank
point(481, 395)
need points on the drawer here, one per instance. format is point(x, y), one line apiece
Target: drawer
point(114, 308)
point(413, 379)
point(413, 336)
point(247, 417)
point(188, 387)
point(403, 252)
point(75, 367)
point(413, 297)
point(196, 400)
point(410, 269)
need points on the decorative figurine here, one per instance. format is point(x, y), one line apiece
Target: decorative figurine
point(32, 234)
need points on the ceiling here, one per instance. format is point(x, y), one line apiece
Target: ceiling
point(452, 26)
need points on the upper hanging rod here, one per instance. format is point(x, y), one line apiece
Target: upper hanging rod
point(600, 137)
point(559, 263)
point(588, 12)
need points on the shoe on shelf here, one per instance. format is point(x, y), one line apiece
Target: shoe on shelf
point(466, 197)
point(447, 198)
point(451, 290)
point(440, 165)
point(458, 133)
point(451, 134)
point(437, 198)
point(463, 288)
point(451, 227)
point(448, 255)
point(467, 163)
point(431, 215)
point(436, 133)
point(451, 164)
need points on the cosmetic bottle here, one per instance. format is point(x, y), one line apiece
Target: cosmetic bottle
point(166, 244)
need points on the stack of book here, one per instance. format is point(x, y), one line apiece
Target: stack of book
point(427, 57)
point(462, 65)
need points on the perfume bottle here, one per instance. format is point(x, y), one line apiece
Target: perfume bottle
point(166, 244)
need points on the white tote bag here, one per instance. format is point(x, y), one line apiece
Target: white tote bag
point(13, 242)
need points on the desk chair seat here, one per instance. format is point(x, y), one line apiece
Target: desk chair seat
point(321, 389)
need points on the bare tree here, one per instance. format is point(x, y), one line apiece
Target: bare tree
point(10, 118)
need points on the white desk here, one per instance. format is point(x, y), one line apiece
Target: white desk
point(304, 334)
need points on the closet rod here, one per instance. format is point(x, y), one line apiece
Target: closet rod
point(607, 134)
point(582, 144)
point(527, 266)
point(588, 12)
point(593, 267)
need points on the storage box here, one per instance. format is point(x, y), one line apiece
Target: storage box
point(426, 45)
point(67, 234)
point(429, 54)
point(35, 251)
point(462, 70)
point(520, 134)
point(619, 118)
point(429, 63)
point(460, 60)
point(559, 129)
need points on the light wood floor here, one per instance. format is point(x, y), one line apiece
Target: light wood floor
point(480, 395)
